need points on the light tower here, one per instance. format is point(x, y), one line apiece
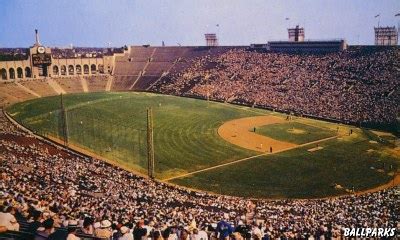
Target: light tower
point(296, 34)
point(386, 36)
point(211, 39)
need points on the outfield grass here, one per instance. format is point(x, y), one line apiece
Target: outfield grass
point(299, 173)
point(294, 132)
point(185, 134)
point(185, 130)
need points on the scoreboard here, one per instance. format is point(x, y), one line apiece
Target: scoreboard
point(41, 59)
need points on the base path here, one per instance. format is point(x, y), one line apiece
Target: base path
point(238, 132)
point(247, 158)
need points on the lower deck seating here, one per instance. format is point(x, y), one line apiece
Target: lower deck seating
point(129, 68)
point(122, 83)
point(144, 82)
point(96, 83)
point(39, 86)
point(70, 85)
point(25, 234)
point(16, 235)
point(12, 93)
point(157, 68)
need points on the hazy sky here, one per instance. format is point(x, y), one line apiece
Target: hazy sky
point(241, 22)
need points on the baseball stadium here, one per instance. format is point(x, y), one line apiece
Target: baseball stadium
point(289, 139)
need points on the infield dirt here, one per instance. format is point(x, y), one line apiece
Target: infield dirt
point(239, 132)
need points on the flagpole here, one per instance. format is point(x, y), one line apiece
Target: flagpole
point(398, 23)
point(379, 18)
point(217, 25)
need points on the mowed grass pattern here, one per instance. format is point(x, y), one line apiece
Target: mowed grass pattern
point(294, 132)
point(298, 173)
point(185, 135)
point(185, 130)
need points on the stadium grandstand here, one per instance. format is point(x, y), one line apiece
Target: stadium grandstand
point(345, 79)
point(49, 191)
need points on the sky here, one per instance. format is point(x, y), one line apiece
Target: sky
point(99, 23)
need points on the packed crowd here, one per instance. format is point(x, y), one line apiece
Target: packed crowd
point(357, 85)
point(13, 54)
point(84, 52)
point(47, 187)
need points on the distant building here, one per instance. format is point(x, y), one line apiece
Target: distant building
point(308, 46)
point(297, 43)
point(296, 34)
point(39, 61)
point(261, 46)
point(211, 39)
point(386, 36)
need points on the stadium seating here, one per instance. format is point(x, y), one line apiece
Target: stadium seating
point(128, 68)
point(40, 86)
point(357, 85)
point(96, 83)
point(123, 83)
point(58, 187)
point(144, 82)
point(354, 86)
point(12, 93)
point(141, 54)
point(70, 84)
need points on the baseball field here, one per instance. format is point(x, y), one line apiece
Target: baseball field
point(218, 147)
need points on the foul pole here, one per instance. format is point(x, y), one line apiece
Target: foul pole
point(64, 122)
point(150, 143)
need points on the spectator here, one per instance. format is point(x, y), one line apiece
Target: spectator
point(46, 230)
point(72, 227)
point(104, 232)
point(139, 233)
point(7, 219)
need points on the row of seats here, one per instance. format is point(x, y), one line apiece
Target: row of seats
point(25, 234)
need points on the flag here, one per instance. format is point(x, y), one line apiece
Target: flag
point(378, 15)
point(217, 25)
point(397, 15)
point(286, 18)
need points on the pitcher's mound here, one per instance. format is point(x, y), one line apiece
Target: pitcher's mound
point(296, 131)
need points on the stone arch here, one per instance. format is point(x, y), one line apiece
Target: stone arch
point(63, 70)
point(100, 68)
point(28, 72)
point(93, 69)
point(3, 73)
point(78, 69)
point(71, 70)
point(12, 73)
point(20, 73)
point(56, 70)
point(86, 69)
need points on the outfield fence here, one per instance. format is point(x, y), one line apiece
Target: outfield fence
point(119, 141)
